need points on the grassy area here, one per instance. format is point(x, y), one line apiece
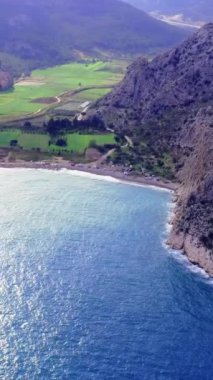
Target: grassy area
point(91, 94)
point(53, 81)
point(76, 143)
point(7, 136)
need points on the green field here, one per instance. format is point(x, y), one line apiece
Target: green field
point(91, 95)
point(76, 143)
point(54, 81)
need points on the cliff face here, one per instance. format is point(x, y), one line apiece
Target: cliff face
point(168, 105)
point(193, 223)
point(6, 80)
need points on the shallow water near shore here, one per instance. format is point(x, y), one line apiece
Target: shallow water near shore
point(87, 288)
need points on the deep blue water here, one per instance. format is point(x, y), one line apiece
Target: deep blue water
point(87, 288)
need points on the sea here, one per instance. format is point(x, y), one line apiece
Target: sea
point(88, 288)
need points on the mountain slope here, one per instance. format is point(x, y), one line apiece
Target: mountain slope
point(42, 33)
point(166, 106)
point(192, 10)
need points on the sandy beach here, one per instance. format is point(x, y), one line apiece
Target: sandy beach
point(104, 170)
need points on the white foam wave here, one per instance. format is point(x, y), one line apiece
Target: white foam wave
point(79, 173)
point(170, 216)
point(84, 174)
point(183, 260)
point(179, 255)
point(108, 178)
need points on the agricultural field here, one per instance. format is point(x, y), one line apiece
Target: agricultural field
point(76, 143)
point(76, 101)
point(44, 87)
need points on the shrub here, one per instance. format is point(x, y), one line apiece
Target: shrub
point(13, 142)
point(61, 142)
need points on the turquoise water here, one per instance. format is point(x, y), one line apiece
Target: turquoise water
point(87, 288)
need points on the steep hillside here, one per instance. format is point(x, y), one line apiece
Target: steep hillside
point(189, 9)
point(41, 33)
point(166, 106)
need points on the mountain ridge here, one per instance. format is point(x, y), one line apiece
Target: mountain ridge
point(166, 106)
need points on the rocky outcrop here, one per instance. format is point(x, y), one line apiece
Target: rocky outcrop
point(167, 104)
point(6, 80)
point(194, 250)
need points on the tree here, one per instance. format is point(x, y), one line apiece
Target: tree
point(13, 143)
point(61, 142)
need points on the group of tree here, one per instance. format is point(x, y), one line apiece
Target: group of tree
point(56, 127)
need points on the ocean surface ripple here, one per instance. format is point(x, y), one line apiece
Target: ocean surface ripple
point(87, 288)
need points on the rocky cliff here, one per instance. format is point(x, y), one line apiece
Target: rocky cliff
point(193, 223)
point(166, 106)
point(6, 80)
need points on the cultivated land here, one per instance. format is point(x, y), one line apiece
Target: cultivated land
point(46, 88)
point(76, 143)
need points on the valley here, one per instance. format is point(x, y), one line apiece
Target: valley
point(106, 189)
point(60, 92)
point(71, 30)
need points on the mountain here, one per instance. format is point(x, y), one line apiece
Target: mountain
point(44, 33)
point(166, 107)
point(199, 11)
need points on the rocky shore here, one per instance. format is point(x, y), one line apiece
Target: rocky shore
point(195, 252)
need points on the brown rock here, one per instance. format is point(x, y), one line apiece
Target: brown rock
point(6, 80)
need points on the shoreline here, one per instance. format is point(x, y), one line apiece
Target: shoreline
point(103, 171)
